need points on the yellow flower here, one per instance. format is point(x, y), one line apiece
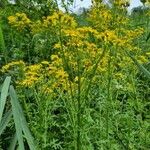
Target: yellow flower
point(12, 64)
point(46, 89)
point(45, 63)
point(19, 21)
point(142, 59)
point(57, 46)
point(29, 81)
point(119, 75)
point(61, 74)
point(54, 57)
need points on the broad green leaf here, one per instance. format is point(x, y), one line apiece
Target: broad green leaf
point(4, 94)
point(17, 117)
point(23, 122)
point(5, 121)
point(13, 143)
point(27, 133)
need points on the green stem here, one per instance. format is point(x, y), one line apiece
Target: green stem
point(2, 45)
point(73, 103)
point(79, 109)
point(109, 77)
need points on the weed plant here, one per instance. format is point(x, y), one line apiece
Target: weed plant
point(82, 85)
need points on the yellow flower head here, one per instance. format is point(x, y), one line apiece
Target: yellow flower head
point(19, 21)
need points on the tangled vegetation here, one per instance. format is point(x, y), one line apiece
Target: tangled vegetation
point(82, 81)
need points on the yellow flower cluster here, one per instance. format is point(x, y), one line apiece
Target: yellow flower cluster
point(100, 17)
point(31, 75)
point(12, 65)
point(121, 3)
point(19, 21)
point(79, 48)
point(59, 18)
point(147, 2)
point(56, 21)
point(46, 76)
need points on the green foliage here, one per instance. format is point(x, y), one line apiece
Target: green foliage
point(17, 113)
point(82, 81)
point(3, 50)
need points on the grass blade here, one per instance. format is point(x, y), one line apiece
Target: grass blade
point(23, 123)
point(2, 45)
point(4, 94)
point(141, 67)
point(17, 117)
point(27, 133)
point(13, 143)
point(5, 121)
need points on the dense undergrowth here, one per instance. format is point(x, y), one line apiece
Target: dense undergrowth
point(82, 80)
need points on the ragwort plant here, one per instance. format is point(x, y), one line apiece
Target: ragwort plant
point(84, 93)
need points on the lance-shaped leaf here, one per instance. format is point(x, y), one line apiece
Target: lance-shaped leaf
point(4, 94)
point(5, 121)
point(140, 66)
point(17, 117)
point(23, 122)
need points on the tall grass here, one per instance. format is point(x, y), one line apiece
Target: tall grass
point(3, 50)
point(21, 126)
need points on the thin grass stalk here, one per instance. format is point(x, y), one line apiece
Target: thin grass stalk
point(79, 106)
point(94, 71)
point(72, 102)
point(70, 111)
point(70, 108)
point(109, 77)
point(2, 45)
point(66, 65)
point(141, 67)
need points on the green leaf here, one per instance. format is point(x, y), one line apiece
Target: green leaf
point(23, 123)
point(148, 37)
point(27, 133)
point(13, 143)
point(2, 44)
point(5, 121)
point(17, 117)
point(140, 66)
point(4, 94)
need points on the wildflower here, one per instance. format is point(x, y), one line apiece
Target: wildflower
point(119, 75)
point(45, 63)
point(61, 74)
point(142, 59)
point(9, 66)
point(19, 21)
point(30, 81)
